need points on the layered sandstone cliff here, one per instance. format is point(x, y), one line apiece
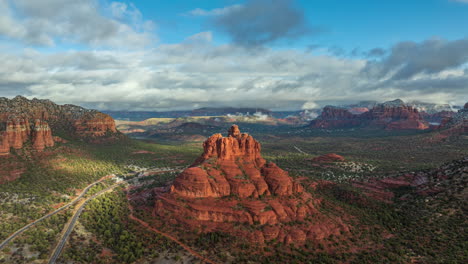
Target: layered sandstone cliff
point(232, 184)
point(35, 121)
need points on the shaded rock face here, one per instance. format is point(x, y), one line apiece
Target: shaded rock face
point(23, 120)
point(457, 124)
point(437, 118)
point(4, 144)
point(232, 184)
point(335, 117)
point(393, 115)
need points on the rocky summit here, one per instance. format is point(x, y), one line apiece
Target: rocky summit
point(37, 121)
point(230, 184)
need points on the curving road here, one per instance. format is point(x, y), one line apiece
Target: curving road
point(69, 228)
point(26, 227)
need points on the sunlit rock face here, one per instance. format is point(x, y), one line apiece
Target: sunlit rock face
point(42, 135)
point(230, 183)
point(36, 121)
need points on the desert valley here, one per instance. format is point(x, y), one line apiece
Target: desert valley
point(342, 187)
point(233, 132)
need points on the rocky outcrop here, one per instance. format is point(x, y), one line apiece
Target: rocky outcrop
point(328, 158)
point(232, 184)
point(42, 136)
point(94, 125)
point(23, 120)
point(393, 115)
point(17, 132)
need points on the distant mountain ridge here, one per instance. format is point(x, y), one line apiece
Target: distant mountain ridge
point(391, 115)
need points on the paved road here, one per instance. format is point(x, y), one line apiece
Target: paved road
point(26, 227)
point(69, 228)
point(72, 222)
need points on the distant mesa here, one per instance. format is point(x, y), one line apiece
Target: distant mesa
point(231, 184)
point(36, 121)
point(392, 115)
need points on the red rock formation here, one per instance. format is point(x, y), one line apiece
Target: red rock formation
point(18, 132)
point(16, 115)
point(42, 136)
point(95, 126)
point(231, 183)
point(4, 144)
point(394, 115)
point(455, 125)
point(11, 171)
point(328, 158)
point(335, 117)
point(358, 110)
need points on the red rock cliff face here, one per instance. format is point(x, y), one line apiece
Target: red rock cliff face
point(23, 120)
point(4, 144)
point(394, 116)
point(224, 187)
point(18, 132)
point(42, 136)
point(94, 126)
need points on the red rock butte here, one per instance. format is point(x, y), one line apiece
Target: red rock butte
point(231, 183)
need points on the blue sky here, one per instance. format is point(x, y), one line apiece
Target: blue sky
point(363, 24)
point(278, 54)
